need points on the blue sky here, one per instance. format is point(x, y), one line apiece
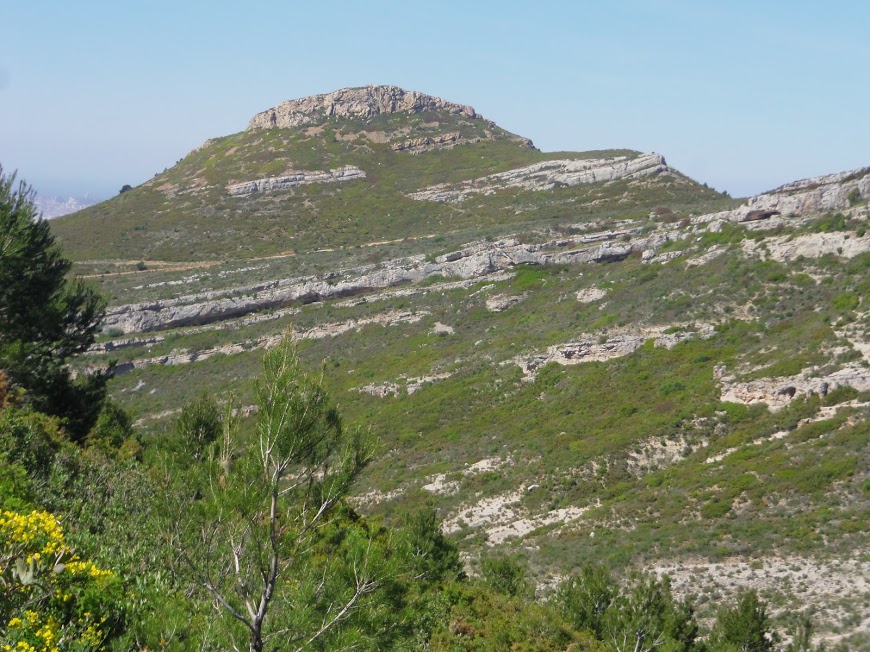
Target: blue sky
point(741, 95)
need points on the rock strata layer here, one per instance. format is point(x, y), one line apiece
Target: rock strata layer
point(295, 179)
point(548, 175)
point(473, 261)
point(354, 103)
point(817, 194)
point(778, 392)
point(432, 143)
point(592, 349)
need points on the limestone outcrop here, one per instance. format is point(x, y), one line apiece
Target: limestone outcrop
point(818, 194)
point(811, 245)
point(473, 261)
point(777, 393)
point(354, 103)
point(547, 175)
point(593, 349)
point(294, 179)
point(189, 356)
point(431, 143)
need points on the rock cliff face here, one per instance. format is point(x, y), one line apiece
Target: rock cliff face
point(827, 193)
point(294, 179)
point(474, 261)
point(353, 103)
point(548, 175)
point(431, 143)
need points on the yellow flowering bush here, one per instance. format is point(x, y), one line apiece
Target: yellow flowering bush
point(50, 599)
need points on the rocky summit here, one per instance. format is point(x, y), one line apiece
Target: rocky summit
point(354, 103)
point(574, 356)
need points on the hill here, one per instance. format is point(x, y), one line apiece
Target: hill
point(574, 356)
point(52, 207)
point(359, 166)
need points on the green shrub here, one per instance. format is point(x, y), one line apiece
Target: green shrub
point(199, 424)
point(672, 386)
point(846, 301)
point(744, 627)
point(715, 509)
point(505, 574)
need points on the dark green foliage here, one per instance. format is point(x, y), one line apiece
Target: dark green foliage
point(198, 425)
point(45, 319)
point(584, 598)
point(29, 442)
point(113, 428)
point(432, 557)
point(830, 223)
point(483, 620)
point(743, 628)
point(846, 301)
point(529, 277)
point(643, 615)
point(802, 635)
point(506, 574)
point(646, 616)
point(266, 506)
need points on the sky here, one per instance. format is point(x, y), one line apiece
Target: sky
point(741, 95)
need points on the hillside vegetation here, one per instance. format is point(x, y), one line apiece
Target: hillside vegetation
point(630, 370)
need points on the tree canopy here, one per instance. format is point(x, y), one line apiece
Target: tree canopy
point(45, 318)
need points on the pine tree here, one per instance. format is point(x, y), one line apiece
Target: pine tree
point(745, 627)
point(45, 318)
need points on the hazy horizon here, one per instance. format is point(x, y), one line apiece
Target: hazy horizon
point(743, 98)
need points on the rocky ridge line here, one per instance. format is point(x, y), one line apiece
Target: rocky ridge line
point(354, 103)
point(474, 261)
point(548, 175)
point(816, 194)
point(295, 179)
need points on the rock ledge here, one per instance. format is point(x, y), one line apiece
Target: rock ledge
point(353, 103)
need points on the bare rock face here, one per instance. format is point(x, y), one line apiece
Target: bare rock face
point(353, 103)
point(830, 192)
point(810, 245)
point(475, 260)
point(294, 179)
point(818, 194)
point(778, 392)
point(431, 143)
point(500, 302)
point(593, 349)
point(590, 295)
point(548, 175)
